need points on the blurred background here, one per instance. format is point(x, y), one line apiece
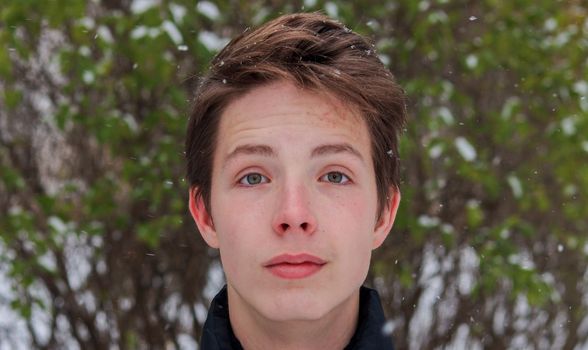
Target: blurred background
point(97, 249)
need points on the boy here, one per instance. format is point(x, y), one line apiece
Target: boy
point(291, 151)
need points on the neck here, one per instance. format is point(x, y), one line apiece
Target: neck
point(256, 332)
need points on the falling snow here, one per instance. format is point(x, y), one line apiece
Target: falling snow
point(208, 9)
point(465, 148)
point(515, 186)
point(172, 31)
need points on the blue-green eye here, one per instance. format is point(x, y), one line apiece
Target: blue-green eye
point(253, 179)
point(335, 177)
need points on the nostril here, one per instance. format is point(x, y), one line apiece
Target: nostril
point(304, 226)
point(284, 227)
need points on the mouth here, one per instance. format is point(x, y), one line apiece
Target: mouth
point(294, 266)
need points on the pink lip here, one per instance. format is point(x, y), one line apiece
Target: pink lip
point(294, 266)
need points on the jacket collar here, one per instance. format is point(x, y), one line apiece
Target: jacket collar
point(218, 334)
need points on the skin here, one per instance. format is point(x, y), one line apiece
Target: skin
point(292, 174)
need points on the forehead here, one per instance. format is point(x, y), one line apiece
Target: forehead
point(282, 104)
point(292, 126)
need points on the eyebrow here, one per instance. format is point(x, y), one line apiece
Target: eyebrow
point(262, 150)
point(335, 149)
point(267, 151)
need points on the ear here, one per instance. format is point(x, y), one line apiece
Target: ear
point(387, 216)
point(202, 218)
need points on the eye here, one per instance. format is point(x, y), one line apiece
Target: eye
point(335, 177)
point(253, 179)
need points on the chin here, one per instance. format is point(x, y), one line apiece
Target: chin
point(296, 308)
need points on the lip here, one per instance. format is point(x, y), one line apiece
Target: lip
point(294, 266)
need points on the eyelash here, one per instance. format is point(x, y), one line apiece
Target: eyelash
point(344, 181)
point(242, 180)
point(263, 179)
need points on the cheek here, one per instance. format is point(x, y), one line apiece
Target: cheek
point(239, 224)
point(236, 252)
point(353, 257)
point(357, 208)
point(354, 221)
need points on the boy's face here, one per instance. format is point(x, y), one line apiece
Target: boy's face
point(293, 203)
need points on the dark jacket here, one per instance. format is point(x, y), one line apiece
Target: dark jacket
point(369, 335)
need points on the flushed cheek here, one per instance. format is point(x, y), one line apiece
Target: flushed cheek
point(353, 234)
point(240, 213)
point(239, 257)
point(240, 237)
point(354, 260)
point(351, 209)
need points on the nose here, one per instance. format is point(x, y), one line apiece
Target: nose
point(293, 212)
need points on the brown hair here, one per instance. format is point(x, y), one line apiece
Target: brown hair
point(315, 53)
